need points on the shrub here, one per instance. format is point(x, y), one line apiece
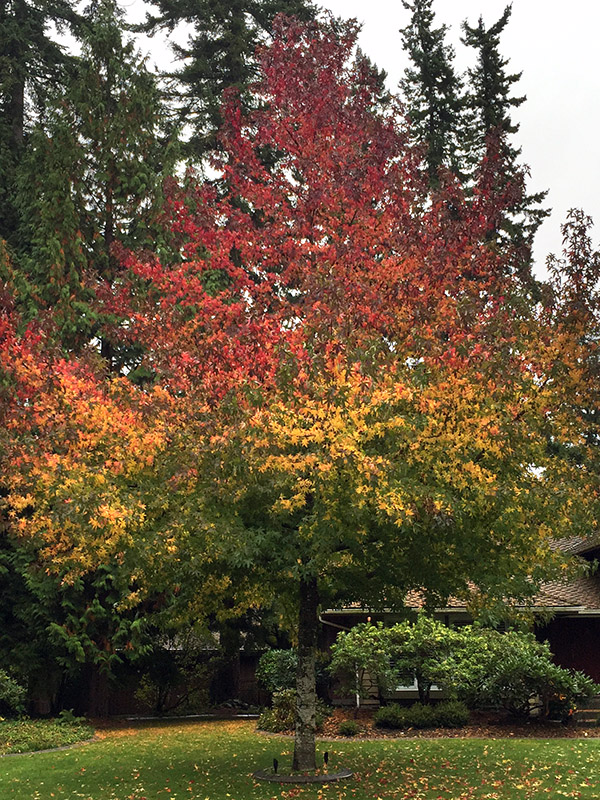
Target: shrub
point(392, 716)
point(481, 667)
point(67, 717)
point(22, 736)
point(515, 672)
point(12, 695)
point(362, 651)
point(282, 716)
point(276, 670)
point(420, 716)
point(348, 728)
point(177, 673)
point(451, 714)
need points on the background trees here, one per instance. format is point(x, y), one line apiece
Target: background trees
point(433, 92)
point(466, 121)
point(219, 55)
point(93, 178)
point(31, 62)
point(490, 100)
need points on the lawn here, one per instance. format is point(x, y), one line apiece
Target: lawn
point(213, 761)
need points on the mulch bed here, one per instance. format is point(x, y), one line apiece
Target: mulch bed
point(483, 725)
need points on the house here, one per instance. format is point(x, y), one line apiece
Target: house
point(573, 631)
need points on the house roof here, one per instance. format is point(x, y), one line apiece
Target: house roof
point(578, 545)
point(579, 595)
point(582, 592)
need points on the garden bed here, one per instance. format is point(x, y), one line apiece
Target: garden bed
point(25, 736)
point(482, 725)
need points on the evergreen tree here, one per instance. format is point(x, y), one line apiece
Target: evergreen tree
point(92, 180)
point(491, 102)
point(218, 55)
point(30, 63)
point(432, 91)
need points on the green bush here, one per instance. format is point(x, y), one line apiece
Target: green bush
point(67, 717)
point(12, 695)
point(392, 716)
point(282, 716)
point(348, 728)
point(420, 716)
point(481, 667)
point(515, 672)
point(363, 650)
point(276, 670)
point(451, 714)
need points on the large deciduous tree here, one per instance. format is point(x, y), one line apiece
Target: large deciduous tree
point(361, 415)
point(345, 404)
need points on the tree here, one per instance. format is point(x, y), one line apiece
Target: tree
point(348, 413)
point(381, 386)
point(572, 317)
point(31, 62)
point(220, 54)
point(433, 92)
point(491, 101)
point(57, 618)
point(92, 181)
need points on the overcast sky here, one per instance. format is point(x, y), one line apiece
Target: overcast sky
point(555, 44)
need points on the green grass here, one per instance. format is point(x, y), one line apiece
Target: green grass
point(214, 760)
point(21, 736)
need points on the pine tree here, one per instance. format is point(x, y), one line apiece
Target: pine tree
point(432, 91)
point(93, 177)
point(491, 102)
point(219, 54)
point(30, 63)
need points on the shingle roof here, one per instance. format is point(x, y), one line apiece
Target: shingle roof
point(583, 592)
point(578, 545)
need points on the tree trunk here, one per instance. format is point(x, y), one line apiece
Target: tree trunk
point(306, 695)
point(17, 113)
point(98, 699)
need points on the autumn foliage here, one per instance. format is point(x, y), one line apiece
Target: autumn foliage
point(349, 392)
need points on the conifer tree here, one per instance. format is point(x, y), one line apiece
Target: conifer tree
point(218, 55)
point(30, 63)
point(491, 101)
point(432, 91)
point(93, 176)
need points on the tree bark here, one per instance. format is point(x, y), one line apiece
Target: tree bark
point(17, 113)
point(306, 695)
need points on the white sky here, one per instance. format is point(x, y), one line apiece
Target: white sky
point(556, 45)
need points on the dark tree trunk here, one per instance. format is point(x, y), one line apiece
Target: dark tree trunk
point(99, 691)
point(306, 695)
point(424, 688)
point(17, 113)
